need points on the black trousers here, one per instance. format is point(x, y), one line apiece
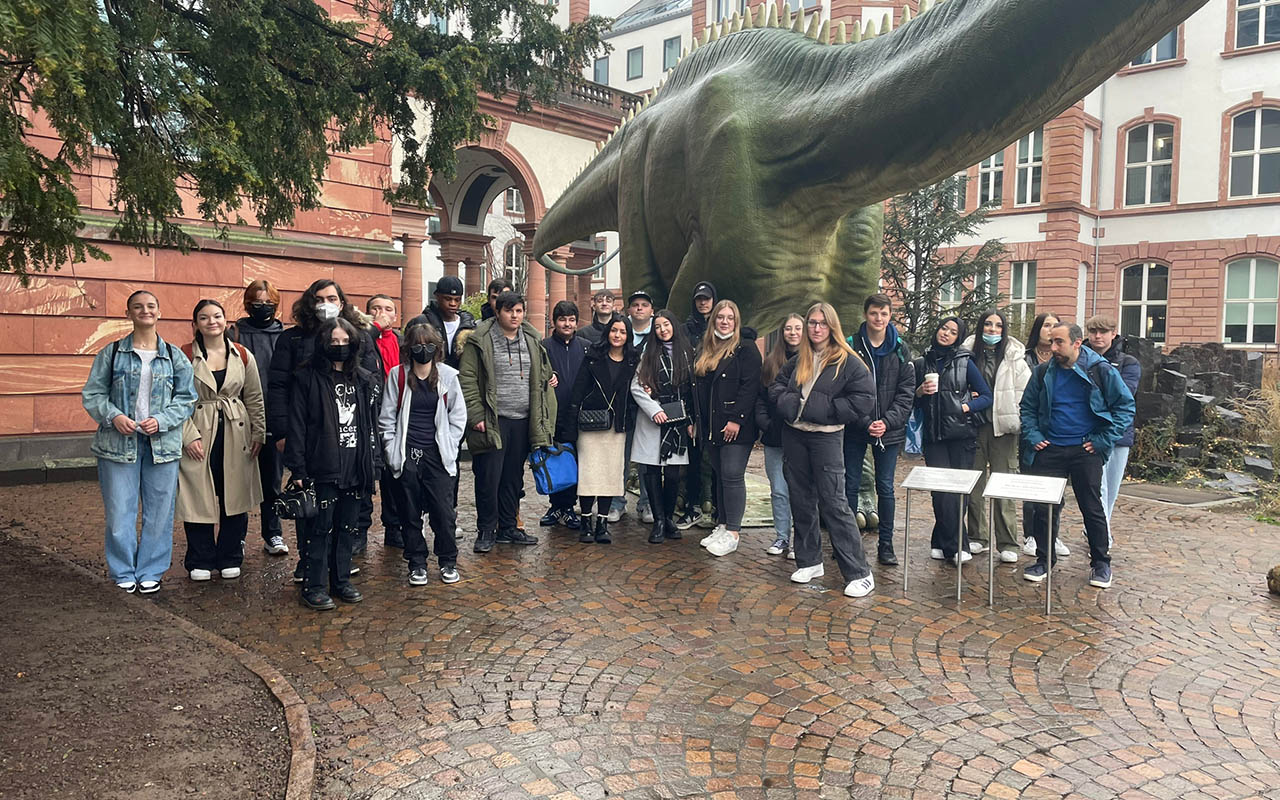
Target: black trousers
point(564, 499)
point(393, 518)
point(426, 487)
point(1084, 470)
point(730, 463)
point(949, 509)
point(813, 464)
point(500, 477)
point(663, 484)
point(329, 538)
point(203, 551)
point(693, 479)
point(271, 470)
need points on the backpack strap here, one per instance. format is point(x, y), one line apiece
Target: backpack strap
point(244, 353)
point(188, 351)
point(400, 395)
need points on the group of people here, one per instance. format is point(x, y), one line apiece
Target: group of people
point(350, 406)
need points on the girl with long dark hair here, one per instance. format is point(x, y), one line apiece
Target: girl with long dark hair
point(817, 393)
point(790, 334)
point(951, 392)
point(218, 480)
point(422, 422)
point(1000, 359)
point(603, 385)
point(332, 443)
point(727, 378)
point(663, 382)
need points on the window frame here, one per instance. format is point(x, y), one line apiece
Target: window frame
point(596, 66)
point(1154, 50)
point(1032, 167)
point(991, 180)
point(1255, 155)
point(639, 52)
point(666, 43)
point(1145, 302)
point(1251, 301)
point(439, 22)
point(1148, 166)
point(1022, 305)
point(1237, 11)
point(510, 207)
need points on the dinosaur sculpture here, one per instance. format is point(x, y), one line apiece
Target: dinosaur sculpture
point(761, 162)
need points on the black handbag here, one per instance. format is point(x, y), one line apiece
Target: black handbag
point(676, 411)
point(297, 503)
point(596, 419)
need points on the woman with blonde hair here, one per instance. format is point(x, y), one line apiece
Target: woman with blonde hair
point(726, 382)
point(825, 387)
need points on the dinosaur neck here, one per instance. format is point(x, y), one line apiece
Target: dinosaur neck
point(963, 80)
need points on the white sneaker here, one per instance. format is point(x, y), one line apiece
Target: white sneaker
point(1060, 548)
point(716, 533)
point(1009, 556)
point(791, 554)
point(962, 557)
point(937, 555)
point(861, 587)
point(128, 586)
point(147, 587)
point(723, 546)
point(646, 516)
point(200, 574)
point(1029, 546)
point(614, 515)
point(230, 573)
point(977, 547)
point(806, 574)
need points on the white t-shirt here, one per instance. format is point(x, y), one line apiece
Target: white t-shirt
point(450, 331)
point(142, 406)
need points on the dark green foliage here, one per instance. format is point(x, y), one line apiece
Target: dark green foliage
point(919, 224)
point(242, 103)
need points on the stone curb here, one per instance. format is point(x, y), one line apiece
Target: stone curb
point(302, 745)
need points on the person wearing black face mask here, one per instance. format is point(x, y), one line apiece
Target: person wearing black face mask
point(332, 443)
point(422, 421)
point(258, 332)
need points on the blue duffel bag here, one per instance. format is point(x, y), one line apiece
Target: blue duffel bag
point(554, 468)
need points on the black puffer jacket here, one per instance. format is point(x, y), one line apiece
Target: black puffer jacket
point(768, 420)
point(842, 395)
point(294, 349)
point(466, 324)
point(728, 394)
point(895, 381)
point(262, 343)
point(311, 446)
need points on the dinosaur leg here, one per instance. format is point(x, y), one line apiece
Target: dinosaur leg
point(867, 491)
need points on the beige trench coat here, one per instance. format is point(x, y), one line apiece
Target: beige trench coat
point(244, 422)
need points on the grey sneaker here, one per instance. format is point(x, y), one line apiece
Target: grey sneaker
point(449, 574)
point(276, 546)
point(418, 576)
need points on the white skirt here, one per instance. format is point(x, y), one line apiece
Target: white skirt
point(602, 457)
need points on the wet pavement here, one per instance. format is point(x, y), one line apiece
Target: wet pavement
point(656, 671)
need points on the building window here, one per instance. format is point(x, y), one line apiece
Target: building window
point(1257, 22)
point(950, 294)
point(600, 73)
point(990, 284)
point(1148, 174)
point(1253, 290)
point(512, 261)
point(725, 8)
point(1022, 293)
point(513, 203)
point(670, 53)
point(1144, 301)
point(959, 188)
point(1164, 50)
point(635, 63)
point(1255, 151)
point(991, 180)
point(1030, 167)
point(439, 22)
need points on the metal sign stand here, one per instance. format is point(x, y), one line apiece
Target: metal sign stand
point(947, 481)
point(1028, 489)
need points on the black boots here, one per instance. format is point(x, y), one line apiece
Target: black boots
point(602, 530)
point(884, 554)
point(652, 477)
point(585, 534)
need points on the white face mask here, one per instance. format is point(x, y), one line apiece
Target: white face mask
point(723, 336)
point(327, 310)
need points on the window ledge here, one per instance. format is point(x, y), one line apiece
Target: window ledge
point(1175, 62)
point(1248, 51)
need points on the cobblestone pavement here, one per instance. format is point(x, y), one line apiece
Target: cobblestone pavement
point(641, 671)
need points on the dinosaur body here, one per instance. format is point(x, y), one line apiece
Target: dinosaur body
point(763, 161)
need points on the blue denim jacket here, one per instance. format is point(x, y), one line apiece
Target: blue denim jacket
point(112, 389)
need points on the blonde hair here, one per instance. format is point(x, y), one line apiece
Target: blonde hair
point(837, 351)
point(714, 349)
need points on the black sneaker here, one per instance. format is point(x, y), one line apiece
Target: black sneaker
point(885, 555)
point(688, 519)
point(449, 574)
point(570, 520)
point(1100, 576)
point(298, 575)
point(1035, 573)
point(551, 518)
point(418, 576)
point(516, 536)
point(484, 542)
point(349, 594)
point(318, 601)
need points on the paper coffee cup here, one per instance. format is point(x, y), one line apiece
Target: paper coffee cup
point(931, 377)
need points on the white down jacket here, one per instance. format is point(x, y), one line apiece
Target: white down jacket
point(1011, 378)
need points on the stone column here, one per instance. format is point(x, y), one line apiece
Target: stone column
point(467, 248)
point(411, 277)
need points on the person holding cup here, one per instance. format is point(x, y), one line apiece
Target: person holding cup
point(950, 392)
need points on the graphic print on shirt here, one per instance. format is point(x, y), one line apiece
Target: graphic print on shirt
point(345, 395)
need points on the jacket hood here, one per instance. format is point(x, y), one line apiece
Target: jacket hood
point(890, 343)
point(749, 334)
point(276, 326)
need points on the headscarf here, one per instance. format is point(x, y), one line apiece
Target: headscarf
point(943, 355)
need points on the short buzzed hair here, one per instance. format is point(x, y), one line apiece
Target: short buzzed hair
point(1073, 331)
point(1100, 322)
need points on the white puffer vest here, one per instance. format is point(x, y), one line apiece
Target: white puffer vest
point(1011, 379)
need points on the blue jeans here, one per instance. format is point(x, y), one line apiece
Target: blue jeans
point(124, 488)
point(886, 461)
point(779, 498)
point(1112, 477)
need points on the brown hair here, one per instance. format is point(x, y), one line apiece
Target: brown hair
point(1100, 322)
point(837, 351)
point(714, 349)
point(261, 284)
point(773, 362)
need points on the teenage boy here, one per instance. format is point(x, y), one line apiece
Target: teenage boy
point(640, 310)
point(507, 382)
point(889, 360)
point(445, 314)
point(496, 287)
point(1103, 341)
point(601, 315)
point(383, 310)
point(699, 470)
point(567, 351)
point(1074, 410)
point(704, 299)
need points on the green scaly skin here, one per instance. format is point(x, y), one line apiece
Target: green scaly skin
point(762, 163)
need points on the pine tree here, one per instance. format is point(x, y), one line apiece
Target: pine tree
point(243, 102)
point(917, 226)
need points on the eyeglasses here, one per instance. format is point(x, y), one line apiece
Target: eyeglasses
point(813, 323)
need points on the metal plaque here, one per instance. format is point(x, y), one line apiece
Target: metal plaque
point(937, 479)
point(1028, 488)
